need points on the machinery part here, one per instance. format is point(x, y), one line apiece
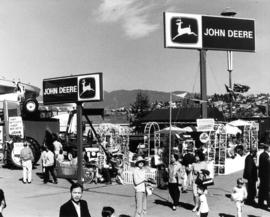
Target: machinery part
point(88, 175)
point(13, 151)
point(30, 106)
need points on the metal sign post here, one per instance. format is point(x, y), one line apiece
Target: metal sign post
point(203, 82)
point(79, 143)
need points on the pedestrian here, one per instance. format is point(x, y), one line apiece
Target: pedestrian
point(175, 180)
point(26, 157)
point(139, 180)
point(188, 160)
point(2, 202)
point(203, 208)
point(200, 164)
point(264, 175)
point(250, 174)
point(48, 163)
point(56, 144)
point(239, 194)
point(60, 156)
point(107, 211)
point(75, 207)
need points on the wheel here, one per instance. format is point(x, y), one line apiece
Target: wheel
point(88, 175)
point(14, 149)
point(30, 106)
point(34, 145)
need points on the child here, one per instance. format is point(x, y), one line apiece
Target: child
point(203, 208)
point(239, 194)
point(107, 211)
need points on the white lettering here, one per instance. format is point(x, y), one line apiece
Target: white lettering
point(50, 91)
point(215, 32)
point(69, 89)
point(240, 34)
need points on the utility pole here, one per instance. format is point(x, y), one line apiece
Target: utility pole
point(229, 13)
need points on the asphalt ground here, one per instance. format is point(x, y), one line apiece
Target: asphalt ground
point(43, 200)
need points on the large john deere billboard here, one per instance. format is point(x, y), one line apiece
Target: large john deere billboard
point(208, 32)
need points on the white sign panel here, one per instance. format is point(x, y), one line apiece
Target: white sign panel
point(205, 124)
point(183, 30)
point(15, 127)
point(89, 88)
point(1, 135)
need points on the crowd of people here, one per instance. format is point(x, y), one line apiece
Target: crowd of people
point(191, 171)
point(188, 171)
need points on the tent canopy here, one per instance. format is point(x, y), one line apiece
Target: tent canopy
point(239, 123)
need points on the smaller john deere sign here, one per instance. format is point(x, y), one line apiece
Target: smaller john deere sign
point(80, 88)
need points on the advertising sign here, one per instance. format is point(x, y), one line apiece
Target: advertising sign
point(71, 89)
point(208, 32)
point(205, 124)
point(204, 138)
point(15, 127)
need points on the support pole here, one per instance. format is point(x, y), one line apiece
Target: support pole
point(170, 134)
point(79, 143)
point(203, 82)
point(230, 69)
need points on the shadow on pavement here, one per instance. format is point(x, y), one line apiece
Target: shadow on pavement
point(123, 215)
point(186, 205)
point(163, 203)
point(225, 215)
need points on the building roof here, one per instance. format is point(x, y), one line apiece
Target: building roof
point(181, 115)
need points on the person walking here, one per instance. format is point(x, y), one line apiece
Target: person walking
point(203, 208)
point(75, 207)
point(239, 194)
point(199, 165)
point(48, 163)
point(250, 174)
point(3, 203)
point(139, 180)
point(26, 157)
point(175, 180)
point(264, 175)
point(188, 160)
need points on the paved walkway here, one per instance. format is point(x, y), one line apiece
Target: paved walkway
point(43, 200)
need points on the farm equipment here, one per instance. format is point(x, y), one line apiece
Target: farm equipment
point(21, 122)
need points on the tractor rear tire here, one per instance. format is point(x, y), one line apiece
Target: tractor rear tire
point(13, 160)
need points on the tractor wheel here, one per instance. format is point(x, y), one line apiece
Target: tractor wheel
point(34, 145)
point(30, 106)
point(13, 158)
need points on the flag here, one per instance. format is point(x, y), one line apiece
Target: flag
point(181, 95)
point(240, 88)
point(231, 93)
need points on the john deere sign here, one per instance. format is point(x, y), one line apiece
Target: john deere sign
point(72, 89)
point(209, 32)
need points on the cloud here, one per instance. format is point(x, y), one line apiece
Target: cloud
point(133, 15)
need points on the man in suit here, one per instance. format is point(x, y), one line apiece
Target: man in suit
point(75, 207)
point(264, 170)
point(250, 174)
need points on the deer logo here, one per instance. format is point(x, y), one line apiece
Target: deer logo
point(183, 30)
point(85, 87)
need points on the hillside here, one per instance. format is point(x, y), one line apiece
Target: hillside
point(121, 98)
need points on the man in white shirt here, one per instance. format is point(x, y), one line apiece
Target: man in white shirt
point(48, 163)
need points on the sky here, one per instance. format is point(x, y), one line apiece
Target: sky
point(124, 39)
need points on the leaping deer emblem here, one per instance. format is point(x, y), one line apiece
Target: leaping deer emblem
point(86, 87)
point(182, 31)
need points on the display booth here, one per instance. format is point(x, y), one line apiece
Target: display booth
point(219, 148)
